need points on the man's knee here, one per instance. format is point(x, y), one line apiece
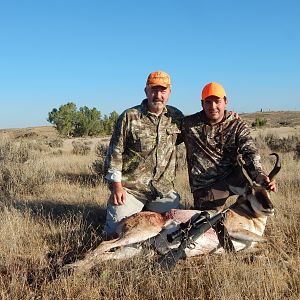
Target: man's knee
point(162, 205)
point(112, 219)
point(210, 199)
point(115, 213)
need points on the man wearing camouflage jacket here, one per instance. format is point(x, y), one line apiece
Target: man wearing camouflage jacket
point(141, 158)
point(213, 139)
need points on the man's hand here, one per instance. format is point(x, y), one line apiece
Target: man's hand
point(265, 180)
point(235, 115)
point(119, 194)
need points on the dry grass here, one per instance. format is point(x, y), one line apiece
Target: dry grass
point(41, 231)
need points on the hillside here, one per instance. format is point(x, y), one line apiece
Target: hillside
point(274, 118)
point(278, 122)
point(42, 132)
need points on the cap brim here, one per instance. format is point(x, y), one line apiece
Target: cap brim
point(215, 95)
point(159, 84)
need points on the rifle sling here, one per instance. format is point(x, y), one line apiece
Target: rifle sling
point(223, 236)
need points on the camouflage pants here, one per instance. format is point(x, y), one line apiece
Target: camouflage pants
point(215, 196)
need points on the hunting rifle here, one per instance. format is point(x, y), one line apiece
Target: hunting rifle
point(190, 231)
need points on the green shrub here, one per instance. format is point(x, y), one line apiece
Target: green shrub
point(259, 122)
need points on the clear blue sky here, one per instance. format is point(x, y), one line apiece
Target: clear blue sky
point(99, 53)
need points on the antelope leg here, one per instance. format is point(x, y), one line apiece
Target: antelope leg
point(97, 255)
point(88, 263)
point(245, 235)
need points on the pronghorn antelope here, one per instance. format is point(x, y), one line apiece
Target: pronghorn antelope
point(245, 222)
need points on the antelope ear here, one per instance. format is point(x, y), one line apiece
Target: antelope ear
point(238, 190)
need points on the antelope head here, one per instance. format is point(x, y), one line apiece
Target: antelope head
point(258, 193)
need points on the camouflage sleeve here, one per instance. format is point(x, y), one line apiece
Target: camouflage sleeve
point(113, 161)
point(249, 151)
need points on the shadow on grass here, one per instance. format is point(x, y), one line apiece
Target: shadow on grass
point(92, 214)
point(66, 248)
point(89, 180)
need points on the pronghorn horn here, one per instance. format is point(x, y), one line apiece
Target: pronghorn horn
point(276, 168)
point(241, 163)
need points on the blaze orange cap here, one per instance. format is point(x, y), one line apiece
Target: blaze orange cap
point(213, 89)
point(160, 78)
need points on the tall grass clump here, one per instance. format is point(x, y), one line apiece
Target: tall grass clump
point(260, 143)
point(81, 147)
point(55, 143)
point(98, 164)
point(297, 151)
point(22, 170)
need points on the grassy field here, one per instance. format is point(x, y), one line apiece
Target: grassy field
point(52, 211)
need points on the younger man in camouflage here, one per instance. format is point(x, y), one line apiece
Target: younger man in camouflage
point(141, 158)
point(213, 140)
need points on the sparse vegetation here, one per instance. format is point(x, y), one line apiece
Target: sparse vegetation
point(285, 144)
point(41, 231)
point(22, 169)
point(55, 143)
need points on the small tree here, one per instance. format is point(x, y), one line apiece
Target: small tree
point(109, 122)
point(113, 118)
point(85, 122)
point(88, 122)
point(64, 118)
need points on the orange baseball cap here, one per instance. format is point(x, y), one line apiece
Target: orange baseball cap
point(160, 78)
point(213, 89)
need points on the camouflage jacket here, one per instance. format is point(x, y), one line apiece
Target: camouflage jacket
point(212, 149)
point(143, 149)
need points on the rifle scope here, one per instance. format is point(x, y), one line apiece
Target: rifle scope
point(194, 222)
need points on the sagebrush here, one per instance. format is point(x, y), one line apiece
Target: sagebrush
point(41, 231)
